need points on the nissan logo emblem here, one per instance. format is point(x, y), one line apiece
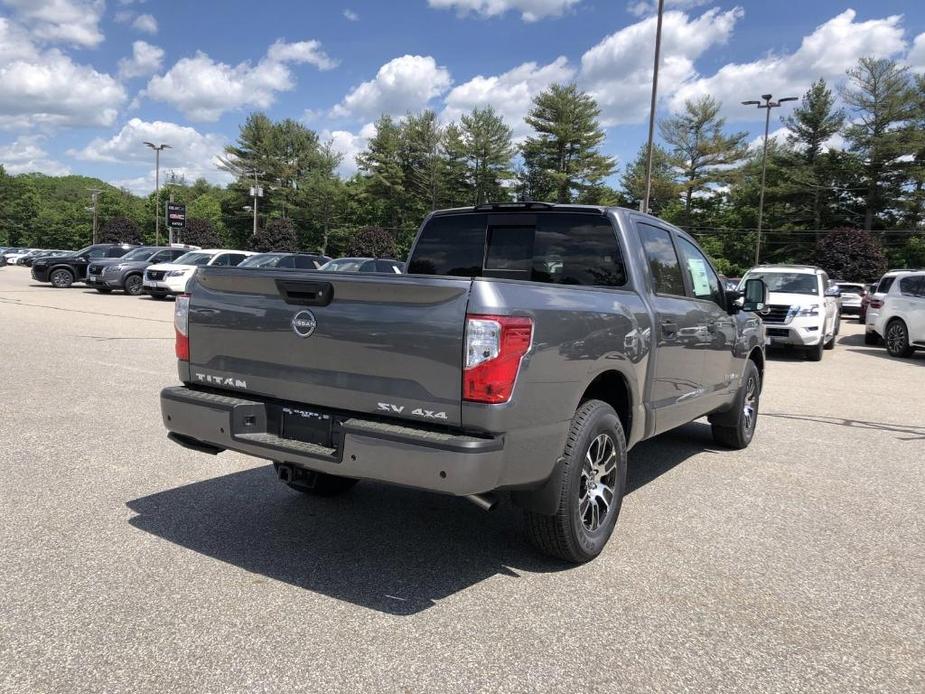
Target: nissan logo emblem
point(304, 323)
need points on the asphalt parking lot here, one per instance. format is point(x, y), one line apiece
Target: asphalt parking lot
point(130, 564)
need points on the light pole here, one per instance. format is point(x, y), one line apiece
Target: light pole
point(658, 47)
point(256, 192)
point(768, 105)
point(157, 189)
point(94, 195)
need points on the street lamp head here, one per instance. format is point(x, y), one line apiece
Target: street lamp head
point(750, 103)
point(766, 97)
point(154, 146)
point(787, 98)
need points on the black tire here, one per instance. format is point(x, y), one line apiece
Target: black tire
point(871, 338)
point(61, 278)
point(103, 290)
point(815, 353)
point(896, 337)
point(571, 533)
point(133, 285)
point(158, 297)
point(740, 434)
point(318, 483)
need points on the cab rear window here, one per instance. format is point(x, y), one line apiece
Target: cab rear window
point(554, 248)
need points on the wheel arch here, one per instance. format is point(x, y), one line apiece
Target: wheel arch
point(612, 387)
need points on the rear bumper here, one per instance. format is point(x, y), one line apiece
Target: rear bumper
point(397, 454)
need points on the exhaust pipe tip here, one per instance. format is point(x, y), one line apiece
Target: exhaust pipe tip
point(486, 502)
point(284, 472)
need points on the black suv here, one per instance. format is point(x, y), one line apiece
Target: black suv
point(64, 270)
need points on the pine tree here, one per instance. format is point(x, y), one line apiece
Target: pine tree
point(882, 103)
point(381, 163)
point(422, 163)
point(562, 159)
point(664, 190)
point(488, 150)
point(456, 188)
point(700, 150)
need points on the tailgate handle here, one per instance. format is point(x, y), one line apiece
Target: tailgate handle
point(305, 293)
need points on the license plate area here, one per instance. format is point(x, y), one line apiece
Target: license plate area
point(307, 425)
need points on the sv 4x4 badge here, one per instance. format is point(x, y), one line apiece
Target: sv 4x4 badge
point(417, 412)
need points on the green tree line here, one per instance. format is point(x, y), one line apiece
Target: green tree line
point(860, 165)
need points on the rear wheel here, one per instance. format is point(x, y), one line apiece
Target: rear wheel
point(592, 480)
point(897, 339)
point(739, 434)
point(61, 278)
point(315, 483)
point(133, 285)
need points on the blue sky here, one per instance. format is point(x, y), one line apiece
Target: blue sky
point(84, 82)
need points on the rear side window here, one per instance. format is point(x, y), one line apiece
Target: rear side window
point(116, 252)
point(663, 260)
point(555, 248)
point(304, 262)
point(911, 286)
point(885, 285)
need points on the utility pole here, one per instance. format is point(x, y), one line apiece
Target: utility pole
point(157, 189)
point(256, 192)
point(768, 105)
point(94, 195)
point(644, 207)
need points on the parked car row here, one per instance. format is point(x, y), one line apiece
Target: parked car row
point(24, 256)
point(162, 271)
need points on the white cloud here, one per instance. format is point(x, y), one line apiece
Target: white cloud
point(146, 60)
point(831, 49)
point(48, 88)
point(530, 10)
point(351, 16)
point(26, 155)
point(74, 22)
point(916, 57)
point(403, 84)
point(349, 145)
point(146, 23)
point(510, 93)
point(204, 89)
point(191, 154)
point(617, 72)
point(640, 8)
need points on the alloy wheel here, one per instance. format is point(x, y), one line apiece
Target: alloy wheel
point(896, 338)
point(750, 405)
point(597, 487)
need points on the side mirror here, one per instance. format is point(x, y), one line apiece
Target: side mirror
point(755, 295)
point(833, 291)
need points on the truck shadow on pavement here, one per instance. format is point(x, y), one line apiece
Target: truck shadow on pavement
point(389, 549)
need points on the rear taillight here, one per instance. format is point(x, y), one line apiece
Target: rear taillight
point(876, 303)
point(495, 346)
point(181, 326)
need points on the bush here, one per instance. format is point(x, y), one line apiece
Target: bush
point(199, 232)
point(850, 254)
point(120, 230)
point(279, 235)
point(371, 242)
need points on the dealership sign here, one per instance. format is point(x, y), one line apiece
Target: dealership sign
point(176, 215)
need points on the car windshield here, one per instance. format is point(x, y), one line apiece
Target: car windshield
point(193, 258)
point(139, 254)
point(851, 288)
point(344, 265)
point(787, 282)
point(262, 260)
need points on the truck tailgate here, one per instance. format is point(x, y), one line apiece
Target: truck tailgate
point(382, 344)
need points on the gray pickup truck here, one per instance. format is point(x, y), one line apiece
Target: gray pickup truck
point(527, 349)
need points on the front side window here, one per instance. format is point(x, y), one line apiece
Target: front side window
point(95, 253)
point(703, 281)
point(139, 254)
point(663, 260)
point(194, 258)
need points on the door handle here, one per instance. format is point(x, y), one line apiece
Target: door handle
point(669, 329)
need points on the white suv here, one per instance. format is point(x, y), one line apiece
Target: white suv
point(802, 308)
point(899, 315)
point(166, 279)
